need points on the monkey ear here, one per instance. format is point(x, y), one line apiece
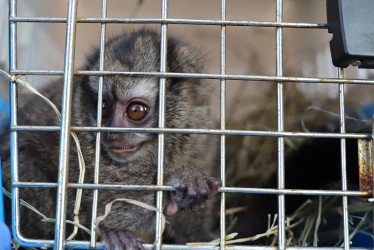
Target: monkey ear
point(186, 59)
point(183, 58)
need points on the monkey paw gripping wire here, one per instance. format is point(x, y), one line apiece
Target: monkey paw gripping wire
point(108, 206)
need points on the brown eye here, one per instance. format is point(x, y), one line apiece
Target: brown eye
point(105, 109)
point(137, 111)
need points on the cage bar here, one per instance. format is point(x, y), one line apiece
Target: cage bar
point(221, 190)
point(223, 126)
point(13, 121)
point(280, 118)
point(65, 126)
point(343, 161)
point(202, 131)
point(99, 124)
point(161, 124)
point(172, 21)
point(202, 76)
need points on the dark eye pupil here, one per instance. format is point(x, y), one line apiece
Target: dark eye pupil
point(137, 111)
point(105, 109)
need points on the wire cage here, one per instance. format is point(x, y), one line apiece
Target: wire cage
point(278, 78)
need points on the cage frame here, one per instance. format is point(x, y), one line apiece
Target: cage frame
point(279, 79)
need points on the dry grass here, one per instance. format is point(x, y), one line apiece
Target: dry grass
point(251, 161)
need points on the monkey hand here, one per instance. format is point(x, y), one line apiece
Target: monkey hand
point(120, 240)
point(192, 188)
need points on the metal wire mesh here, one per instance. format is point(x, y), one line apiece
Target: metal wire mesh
point(71, 20)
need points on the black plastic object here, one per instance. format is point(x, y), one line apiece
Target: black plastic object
point(352, 25)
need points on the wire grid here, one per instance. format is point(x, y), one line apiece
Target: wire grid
point(68, 72)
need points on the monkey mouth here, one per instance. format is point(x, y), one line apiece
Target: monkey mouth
point(124, 151)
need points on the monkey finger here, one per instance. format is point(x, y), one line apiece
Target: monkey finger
point(191, 192)
point(110, 240)
point(120, 240)
point(202, 190)
point(171, 208)
point(180, 188)
point(198, 206)
point(130, 240)
point(213, 184)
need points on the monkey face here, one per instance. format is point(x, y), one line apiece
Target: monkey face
point(127, 103)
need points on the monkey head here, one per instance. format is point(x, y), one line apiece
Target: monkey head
point(132, 102)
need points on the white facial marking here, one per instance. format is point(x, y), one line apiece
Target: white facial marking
point(144, 88)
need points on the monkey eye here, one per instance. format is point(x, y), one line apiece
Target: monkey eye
point(137, 111)
point(105, 109)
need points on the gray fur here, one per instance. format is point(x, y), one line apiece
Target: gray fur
point(188, 158)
